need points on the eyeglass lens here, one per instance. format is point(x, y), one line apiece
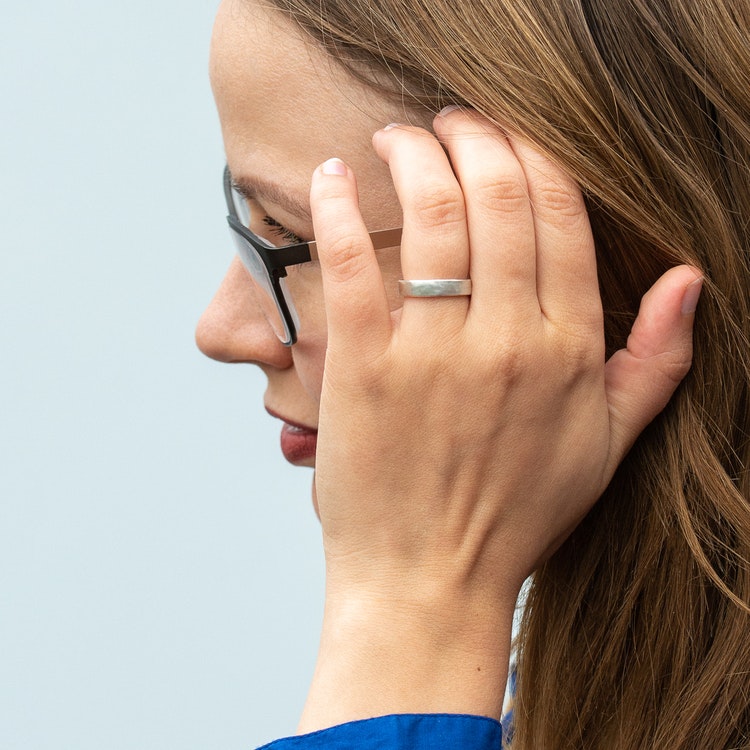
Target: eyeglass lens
point(264, 286)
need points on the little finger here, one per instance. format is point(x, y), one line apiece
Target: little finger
point(566, 279)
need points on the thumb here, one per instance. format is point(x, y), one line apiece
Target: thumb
point(641, 378)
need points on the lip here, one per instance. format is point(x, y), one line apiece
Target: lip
point(298, 441)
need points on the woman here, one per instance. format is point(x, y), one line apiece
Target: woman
point(590, 174)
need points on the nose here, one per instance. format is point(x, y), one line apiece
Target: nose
point(234, 329)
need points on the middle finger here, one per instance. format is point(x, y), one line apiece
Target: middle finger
point(499, 215)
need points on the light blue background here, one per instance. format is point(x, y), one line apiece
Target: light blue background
point(160, 565)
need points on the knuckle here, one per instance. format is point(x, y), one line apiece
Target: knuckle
point(345, 256)
point(512, 365)
point(365, 379)
point(507, 195)
point(674, 366)
point(439, 206)
point(558, 198)
point(503, 364)
point(582, 342)
point(578, 352)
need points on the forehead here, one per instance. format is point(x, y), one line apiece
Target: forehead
point(284, 104)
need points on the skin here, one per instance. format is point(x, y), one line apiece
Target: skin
point(460, 440)
point(279, 122)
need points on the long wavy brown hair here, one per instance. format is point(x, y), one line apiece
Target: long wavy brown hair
point(636, 633)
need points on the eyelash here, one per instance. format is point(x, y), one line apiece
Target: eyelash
point(281, 230)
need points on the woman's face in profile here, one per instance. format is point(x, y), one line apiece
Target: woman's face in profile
point(285, 107)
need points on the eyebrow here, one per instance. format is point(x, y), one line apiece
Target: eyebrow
point(259, 188)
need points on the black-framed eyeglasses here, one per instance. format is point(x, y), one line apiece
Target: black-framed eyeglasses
point(267, 262)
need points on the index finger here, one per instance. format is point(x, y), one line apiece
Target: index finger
point(355, 299)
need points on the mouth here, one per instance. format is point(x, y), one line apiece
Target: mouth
point(298, 442)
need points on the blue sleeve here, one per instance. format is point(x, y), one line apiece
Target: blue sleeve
point(402, 732)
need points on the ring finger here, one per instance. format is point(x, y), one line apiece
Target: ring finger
point(435, 241)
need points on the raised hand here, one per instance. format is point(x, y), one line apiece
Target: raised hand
point(461, 439)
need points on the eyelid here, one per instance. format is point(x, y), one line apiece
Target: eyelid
point(276, 226)
point(291, 202)
point(251, 198)
point(279, 224)
point(246, 194)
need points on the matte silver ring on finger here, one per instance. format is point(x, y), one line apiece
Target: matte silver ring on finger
point(434, 287)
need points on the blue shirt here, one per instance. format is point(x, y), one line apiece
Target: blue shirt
point(402, 732)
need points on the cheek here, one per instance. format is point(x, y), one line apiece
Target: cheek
point(310, 350)
point(305, 287)
point(309, 355)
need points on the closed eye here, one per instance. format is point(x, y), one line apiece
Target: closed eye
point(281, 231)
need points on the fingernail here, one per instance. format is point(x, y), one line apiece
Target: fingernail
point(392, 125)
point(445, 111)
point(691, 296)
point(333, 166)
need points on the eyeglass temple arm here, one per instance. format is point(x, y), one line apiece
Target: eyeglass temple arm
point(380, 239)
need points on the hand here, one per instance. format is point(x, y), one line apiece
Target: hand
point(462, 439)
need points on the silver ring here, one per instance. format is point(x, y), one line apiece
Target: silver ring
point(434, 287)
